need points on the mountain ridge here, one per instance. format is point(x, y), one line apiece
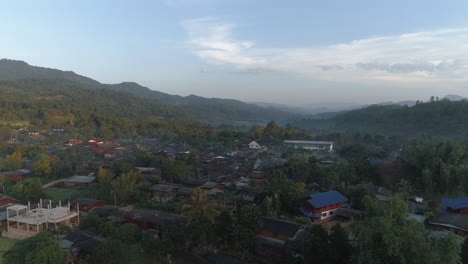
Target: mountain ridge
point(210, 110)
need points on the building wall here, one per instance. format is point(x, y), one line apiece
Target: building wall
point(16, 177)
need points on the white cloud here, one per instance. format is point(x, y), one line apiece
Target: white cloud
point(430, 56)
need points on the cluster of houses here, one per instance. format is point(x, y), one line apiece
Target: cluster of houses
point(217, 171)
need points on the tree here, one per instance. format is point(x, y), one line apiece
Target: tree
point(111, 252)
point(446, 249)
point(256, 131)
point(464, 251)
point(42, 248)
point(14, 161)
point(47, 166)
point(105, 178)
point(338, 240)
point(199, 207)
point(272, 130)
point(129, 233)
point(28, 190)
point(388, 236)
point(247, 226)
point(315, 246)
point(3, 181)
point(124, 185)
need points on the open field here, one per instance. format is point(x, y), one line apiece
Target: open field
point(63, 194)
point(5, 245)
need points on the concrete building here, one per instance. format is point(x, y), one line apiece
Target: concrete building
point(24, 222)
point(319, 146)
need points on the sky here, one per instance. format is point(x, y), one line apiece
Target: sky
point(299, 52)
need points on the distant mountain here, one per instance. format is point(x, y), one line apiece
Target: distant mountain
point(408, 103)
point(439, 118)
point(454, 97)
point(211, 110)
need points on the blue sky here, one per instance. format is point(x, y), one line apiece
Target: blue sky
point(292, 52)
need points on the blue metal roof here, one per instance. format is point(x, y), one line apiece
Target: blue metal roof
point(455, 203)
point(326, 198)
point(170, 150)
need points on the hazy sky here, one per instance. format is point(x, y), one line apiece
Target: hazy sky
point(293, 52)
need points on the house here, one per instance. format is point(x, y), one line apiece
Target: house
point(169, 151)
point(148, 172)
point(17, 175)
point(319, 146)
point(85, 204)
point(192, 182)
point(211, 185)
point(110, 155)
point(163, 193)
point(78, 181)
point(322, 206)
point(95, 141)
point(456, 206)
point(277, 237)
point(381, 193)
point(456, 223)
point(7, 200)
point(254, 145)
point(81, 243)
point(154, 219)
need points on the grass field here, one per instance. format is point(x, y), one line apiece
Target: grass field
point(5, 245)
point(63, 194)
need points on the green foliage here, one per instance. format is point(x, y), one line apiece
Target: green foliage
point(199, 207)
point(42, 248)
point(14, 161)
point(28, 190)
point(129, 233)
point(435, 167)
point(439, 118)
point(47, 166)
point(91, 220)
point(104, 179)
point(124, 185)
point(464, 252)
point(246, 226)
point(111, 252)
point(289, 192)
point(388, 236)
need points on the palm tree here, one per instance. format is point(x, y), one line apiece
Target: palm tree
point(199, 207)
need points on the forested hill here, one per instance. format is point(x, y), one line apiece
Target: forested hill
point(438, 118)
point(211, 110)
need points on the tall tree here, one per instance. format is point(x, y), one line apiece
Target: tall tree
point(247, 226)
point(198, 207)
point(124, 185)
point(14, 161)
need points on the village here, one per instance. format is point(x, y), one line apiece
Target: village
point(232, 178)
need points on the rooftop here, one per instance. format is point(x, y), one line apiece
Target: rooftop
point(326, 198)
point(457, 203)
point(451, 220)
point(280, 226)
point(308, 142)
point(162, 188)
point(80, 179)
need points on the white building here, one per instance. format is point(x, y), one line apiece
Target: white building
point(323, 146)
point(254, 145)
